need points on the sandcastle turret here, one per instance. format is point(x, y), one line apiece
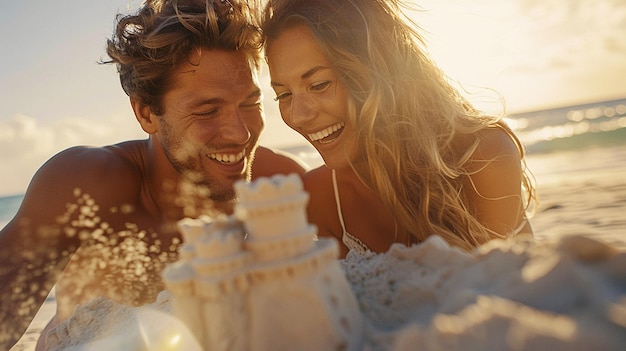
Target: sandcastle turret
point(280, 288)
point(179, 277)
point(273, 211)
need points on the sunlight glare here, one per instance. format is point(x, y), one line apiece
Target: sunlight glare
point(161, 331)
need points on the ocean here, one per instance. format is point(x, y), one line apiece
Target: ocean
point(576, 153)
point(578, 157)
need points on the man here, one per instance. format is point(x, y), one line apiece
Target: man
point(106, 217)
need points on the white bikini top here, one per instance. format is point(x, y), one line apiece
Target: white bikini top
point(352, 243)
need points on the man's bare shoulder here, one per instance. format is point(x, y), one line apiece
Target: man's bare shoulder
point(101, 177)
point(111, 174)
point(113, 165)
point(268, 162)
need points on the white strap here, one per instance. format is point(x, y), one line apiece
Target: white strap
point(353, 243)
point(337, 201)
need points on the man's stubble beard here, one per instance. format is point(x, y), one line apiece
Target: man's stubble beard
point(199, 178)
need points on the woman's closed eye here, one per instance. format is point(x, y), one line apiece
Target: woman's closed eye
point(321, 86)
point(316, 88)
point(282, 96)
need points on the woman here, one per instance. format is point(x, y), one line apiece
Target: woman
point(406, 156)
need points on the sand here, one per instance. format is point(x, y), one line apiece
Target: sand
point(523, 294)
point(517, 295)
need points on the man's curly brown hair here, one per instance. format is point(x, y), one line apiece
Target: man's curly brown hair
point(147, 46)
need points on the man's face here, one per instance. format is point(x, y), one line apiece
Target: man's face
point(213, 119)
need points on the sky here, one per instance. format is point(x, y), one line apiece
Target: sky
point(534, 53)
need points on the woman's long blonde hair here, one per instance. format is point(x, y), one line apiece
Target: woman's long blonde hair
point(410, 118)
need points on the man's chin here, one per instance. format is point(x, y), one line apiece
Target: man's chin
point(223, 191)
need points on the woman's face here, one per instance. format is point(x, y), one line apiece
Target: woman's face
point(311, 98)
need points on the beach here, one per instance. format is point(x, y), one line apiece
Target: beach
point(579, 193)
point(581, 189)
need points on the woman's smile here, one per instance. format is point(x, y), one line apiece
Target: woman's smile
point(327, 135)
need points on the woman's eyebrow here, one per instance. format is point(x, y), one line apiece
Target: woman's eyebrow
point(305, 75)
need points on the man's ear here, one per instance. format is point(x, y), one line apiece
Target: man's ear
point(145, 117)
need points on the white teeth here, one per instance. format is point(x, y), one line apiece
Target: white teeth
point(326, 132)
point(228, 158)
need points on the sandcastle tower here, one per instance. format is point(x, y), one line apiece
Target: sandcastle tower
point(299, 297)
point(280, 288)
point(209, 284)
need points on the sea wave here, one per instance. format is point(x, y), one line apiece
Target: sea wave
point(598, 124)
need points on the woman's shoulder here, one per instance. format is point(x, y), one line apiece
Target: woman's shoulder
point(496, 142)
point(319, 184)
point(321, 208)
point(496, 160)
point(318, 179)
point(268, 162)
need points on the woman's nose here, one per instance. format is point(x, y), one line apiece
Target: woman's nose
point(303, 110)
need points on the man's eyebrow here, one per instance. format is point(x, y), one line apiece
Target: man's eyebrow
point(305, 75)
point(211, 101)
point(216, 101)
point(255, 93)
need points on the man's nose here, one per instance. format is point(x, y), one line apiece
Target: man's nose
point(235, 128)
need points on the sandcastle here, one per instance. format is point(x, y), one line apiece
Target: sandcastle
point(260, 279)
